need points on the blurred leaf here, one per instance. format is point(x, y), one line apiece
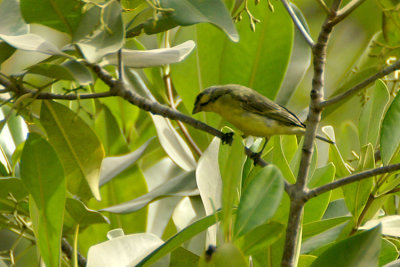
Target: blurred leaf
point(390, 225)
point(359, 250)
point(317, 227)
point(295, 162)
point(33, 42)
point(82, 215)
point(182, 185)
point(181, 237)
point(372, 113)
point(315, 208)
point(70, 71)
point(110, 133)
point(231, 160)
point(389, 252)
point(12, 22)
point(173, 143)
point(6, 51)
point(390, 132)
point(259, 200)
point(43, 176)
point(183, 257)
point(118, 251)
point(112, 166)
point(225, 255)
point(258, 61)
point(13, 186)
point(100, 31)
point(77, 146)
point(390, 21)
point(300, 60)
point(306, 260)
point(326, 237)
point(59, 14)
point(152, 57)
point(188, 12)
point(356, 194)
point(280, 160)
point(257, 239)
point(336, 208)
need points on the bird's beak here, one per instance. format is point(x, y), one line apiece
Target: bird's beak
point(196, 109)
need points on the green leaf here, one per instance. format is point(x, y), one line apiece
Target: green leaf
point(100, 31)
point(280, 160)
point(225, 255)
point(33, 42)
point(152, 57)
point(182, 185)
point(78, 147)
point(390, 22)
point(315, 208)
point(359, 250)
point(183, 257)
point(173, 143)
point(70, 71)
point(82, 215)
point(188, 12)
point(43, 176)
point(260, 237)
point(181, 237)
point(390, 132)
point(259, 200)
point(315, 228)
point(389, 252)
point(11, 20)
point(256, 61)
point(231, 160)
point(356, 194)
point(57, 14)
point(372, 113)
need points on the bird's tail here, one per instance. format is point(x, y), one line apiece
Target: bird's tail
point(324, 139)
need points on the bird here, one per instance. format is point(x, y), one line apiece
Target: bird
point(250, 112)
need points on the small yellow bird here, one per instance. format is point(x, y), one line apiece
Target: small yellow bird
point(250, 112)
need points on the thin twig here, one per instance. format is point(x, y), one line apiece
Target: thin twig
point(347, 10)
point(297, 192)
point(298, 23)
point(324, 6)
point(355, 89)
point(351, 179)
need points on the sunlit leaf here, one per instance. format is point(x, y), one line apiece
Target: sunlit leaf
point(43, 176)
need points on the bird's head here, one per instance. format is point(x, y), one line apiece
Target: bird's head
point(207, 99)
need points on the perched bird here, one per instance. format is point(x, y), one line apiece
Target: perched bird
point(250, 112)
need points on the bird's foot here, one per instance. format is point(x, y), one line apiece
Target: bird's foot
point(227, 138)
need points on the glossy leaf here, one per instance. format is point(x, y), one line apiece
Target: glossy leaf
point(100, 31)
point(183, 185)
point(188, 12)
point(372, 113)
point(209, 182)
point(390, 132)
point(259, 200)
point(173, 143)
point(356, 251)
point(60, 15)
point(390, 225)
point(78, 147)
point(82, 215)
point(70, 71)
point(33, 42)
point(181, 237)
point(11, 19)
point(112, 166)
point(152, 57)
point(118, 251)
point(47, 188)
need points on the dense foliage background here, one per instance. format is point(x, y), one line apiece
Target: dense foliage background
point(89, 175)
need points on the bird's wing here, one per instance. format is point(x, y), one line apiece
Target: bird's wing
point(259, 104)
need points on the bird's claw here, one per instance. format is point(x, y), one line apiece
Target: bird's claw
point(227, 138)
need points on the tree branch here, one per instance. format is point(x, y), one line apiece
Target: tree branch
point(68, 250)
point(324, 6)
point(347, 10)
point(298, 23)
point(297, 192)
point(351, 179)
point(355, 89)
